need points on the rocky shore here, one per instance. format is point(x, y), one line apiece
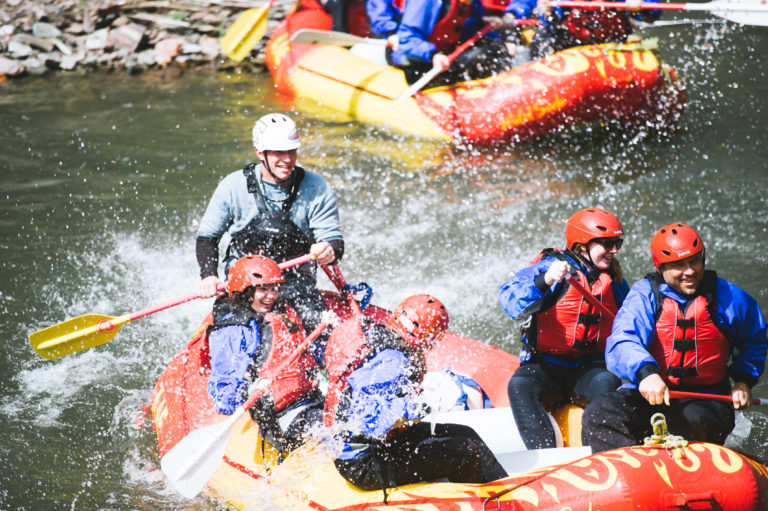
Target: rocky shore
point(41, 36)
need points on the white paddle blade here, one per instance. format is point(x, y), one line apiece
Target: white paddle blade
point(192, 462)
point(745, 12)
point(311, 36)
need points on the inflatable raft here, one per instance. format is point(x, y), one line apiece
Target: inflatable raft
point(588, 84)
point(706, 476)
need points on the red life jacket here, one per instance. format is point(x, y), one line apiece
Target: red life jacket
point(690, 346)
point(447, 32)
point(279, 342)
point(350, 345)
point(571, 325)
point(593, 26)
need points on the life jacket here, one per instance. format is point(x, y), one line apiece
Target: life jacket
point(690, 346)
point(280, 333)
point(449, 27)
point(350, 345)
point(568, 324)
point(594, 26)
point(271, 233)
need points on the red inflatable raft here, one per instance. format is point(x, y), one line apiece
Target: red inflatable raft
point(706, 476)
point(589, 84)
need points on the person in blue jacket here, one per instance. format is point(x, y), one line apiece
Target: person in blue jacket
point(564, 335)
point(384, 17)
point(252, 337)
point(564, 28)
point(678, 329)
point(378, 410)
point(430, 29)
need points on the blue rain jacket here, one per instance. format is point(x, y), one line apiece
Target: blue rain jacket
point(526, 292)
point(634, 326)
point(383, 15)
point(232, 349)
point(418, 22)
point(524, 9)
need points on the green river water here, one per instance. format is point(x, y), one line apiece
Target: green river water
point(104, 177)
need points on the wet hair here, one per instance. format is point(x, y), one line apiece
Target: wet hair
point(243, 299)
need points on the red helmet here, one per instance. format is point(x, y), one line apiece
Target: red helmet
point(253, 270)
point(590, 223)
point(420, 320)
point(674, 242)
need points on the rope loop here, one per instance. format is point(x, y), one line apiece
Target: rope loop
point(673, 444)
point(357, 288)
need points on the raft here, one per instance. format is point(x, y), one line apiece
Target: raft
point(253, 476)
point(605, 83)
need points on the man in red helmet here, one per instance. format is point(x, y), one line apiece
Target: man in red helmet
point(375, 373)
point(252, 333)
point(678, 329)
point(564, 335)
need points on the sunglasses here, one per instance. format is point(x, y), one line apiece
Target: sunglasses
point(609, 243)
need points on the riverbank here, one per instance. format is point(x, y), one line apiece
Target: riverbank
point(43, 36)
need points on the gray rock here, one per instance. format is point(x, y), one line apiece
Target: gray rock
point(69, 62)
point(35, 66)
point(6, 30)
point(35, 42)
point(127, 37)
point(10, 67)
point(45, 30)
point(146, 58)
point(19, 50)
point(99, 40)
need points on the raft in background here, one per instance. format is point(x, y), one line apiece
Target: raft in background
point(707, 476)
point(583, 85)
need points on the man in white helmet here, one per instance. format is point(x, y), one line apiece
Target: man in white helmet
point(277, 208)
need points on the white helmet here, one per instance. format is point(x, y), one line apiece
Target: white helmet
point(275, 132)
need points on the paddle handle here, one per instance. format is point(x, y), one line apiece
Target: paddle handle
point(678, 394)
point(334, 274)
point(589, 296)
point(708, 6)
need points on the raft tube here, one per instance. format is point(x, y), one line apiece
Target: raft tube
point(583, 85)
point(705, 476)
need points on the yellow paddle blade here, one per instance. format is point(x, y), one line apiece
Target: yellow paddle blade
point(245, 32)
point(78, 334)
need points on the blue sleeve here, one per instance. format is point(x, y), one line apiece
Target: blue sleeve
point(741, 312)
point(620, 290)
point(519, 296)
point(626, 349)
point(231, 349)
point(419, 19)
point(647, 14)
point(521, 8)
point(383, 16)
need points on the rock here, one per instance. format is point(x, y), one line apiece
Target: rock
point(167, 49)
point(127, 37)
point(189, 48)
point(69, 62)
point(6, 30)
point(75, 28)
point(35, 66)
point(99, 40)
point(10, 67)
point(51, 60)
point(14, 3)
point(121, 21)
point(45, 30)
point(146, 58)
point(36, 42)
point(210, 46)
point(19, 50)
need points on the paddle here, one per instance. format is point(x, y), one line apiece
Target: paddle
point(337, 279)
point(91, 330)
point(747, 12)
point(247, 30)
point(311, 36)
point(192, 462)
point(678, 394)
point(589, 296)
point(436, 70)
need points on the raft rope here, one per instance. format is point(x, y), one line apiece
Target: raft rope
point(674, 444)
point(357, 288)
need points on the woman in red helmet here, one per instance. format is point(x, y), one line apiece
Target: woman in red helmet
point(678, 329)
point(375, 373)
point(564, 335)
point(252, 333)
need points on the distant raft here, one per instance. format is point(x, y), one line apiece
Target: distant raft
point(625, 84)
point(250, 476)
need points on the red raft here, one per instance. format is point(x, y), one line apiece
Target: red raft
point(602, 83)
point(706, 476)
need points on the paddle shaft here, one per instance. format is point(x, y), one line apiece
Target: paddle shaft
point(109, 325)
point(337, 279)
point(201, 453)
point(707, 6)
point(678, 394)
point(589, 296)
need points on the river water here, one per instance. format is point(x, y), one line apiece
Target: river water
point(104, 178)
